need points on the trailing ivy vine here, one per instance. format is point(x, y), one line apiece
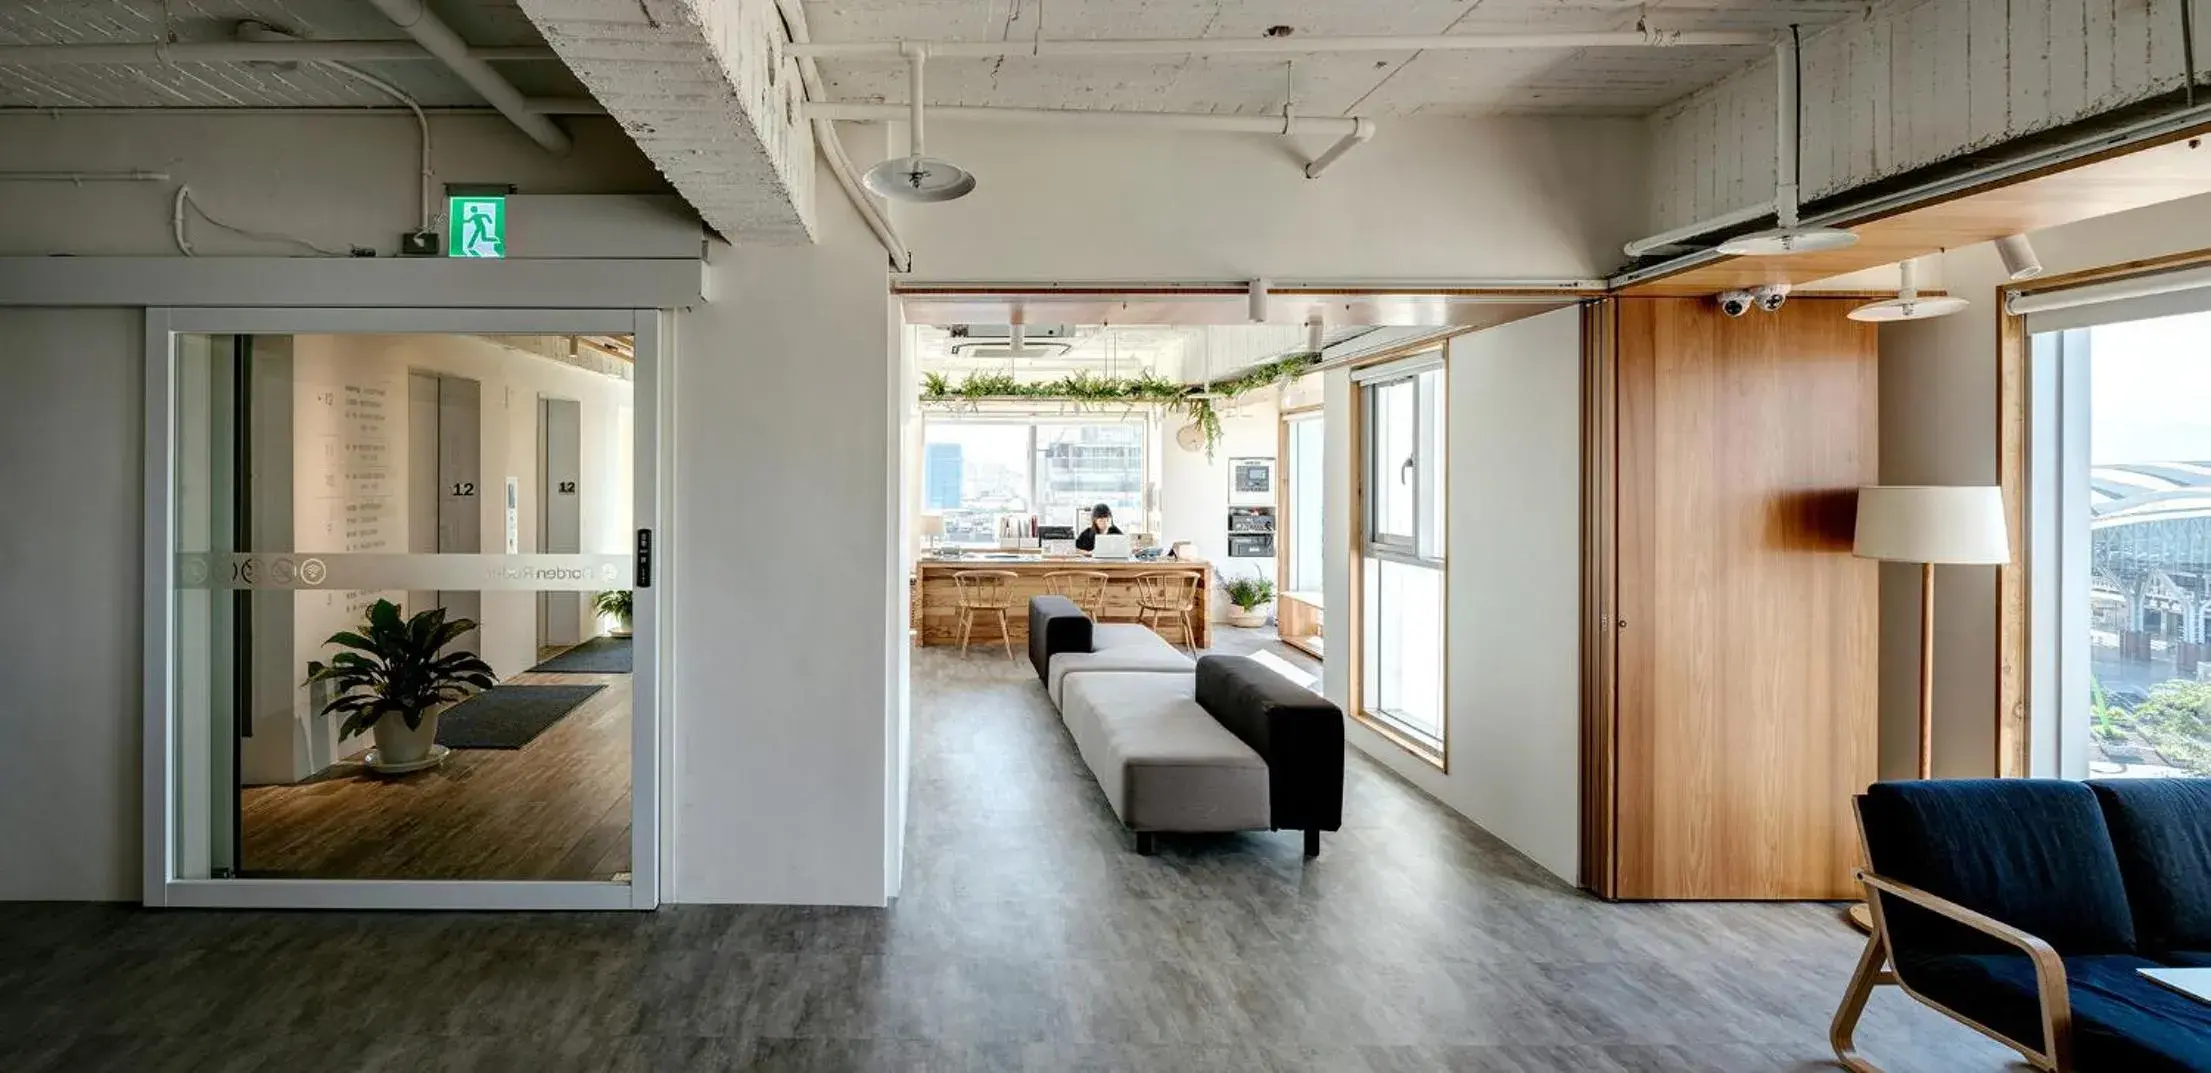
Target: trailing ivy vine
point(1195, 400)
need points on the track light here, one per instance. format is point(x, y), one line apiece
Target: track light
point(1907, 305)
point(2019, 259)
point(1256, 293)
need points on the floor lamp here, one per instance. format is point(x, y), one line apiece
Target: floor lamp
point(1931, 526)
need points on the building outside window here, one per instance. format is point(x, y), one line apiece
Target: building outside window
point(2136, 460)
point(977, 470)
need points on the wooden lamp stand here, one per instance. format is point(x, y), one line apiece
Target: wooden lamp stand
point(1929, 525)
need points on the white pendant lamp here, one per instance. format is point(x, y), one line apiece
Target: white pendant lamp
point(1788, 238)
point(1782, 241)
point(916, 176)
point(1908, 303)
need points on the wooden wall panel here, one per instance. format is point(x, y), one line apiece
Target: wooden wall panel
point(1747, 647)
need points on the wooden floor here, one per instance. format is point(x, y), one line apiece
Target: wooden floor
point(1028, 937)
point(557, 808)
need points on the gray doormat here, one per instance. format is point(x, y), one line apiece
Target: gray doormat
point(508, 717)
point(599, 655)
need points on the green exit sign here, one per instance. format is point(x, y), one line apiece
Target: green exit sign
point(476, 225)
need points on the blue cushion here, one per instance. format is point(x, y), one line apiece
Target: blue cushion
point(2032, 853)
point(2122, 1023)
point(2186, 959)
point(2162, 831)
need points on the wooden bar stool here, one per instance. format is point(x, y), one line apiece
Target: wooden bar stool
point(985, 592)
point(1169, 594)
point(1087, 588)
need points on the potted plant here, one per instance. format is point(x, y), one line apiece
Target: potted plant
point(393, 681)
point(615, 605)
point(1251, 595)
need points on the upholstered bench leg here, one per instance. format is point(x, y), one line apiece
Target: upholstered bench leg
point(1312, 842)
point(1146, 844)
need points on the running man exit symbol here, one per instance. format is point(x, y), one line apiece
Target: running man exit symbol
point(477, 226)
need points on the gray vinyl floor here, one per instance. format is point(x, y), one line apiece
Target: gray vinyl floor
point(1029, 937)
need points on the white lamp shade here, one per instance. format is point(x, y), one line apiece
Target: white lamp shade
point(1921, 524)
point(932, 525)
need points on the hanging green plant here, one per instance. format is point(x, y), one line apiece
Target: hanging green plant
point(1195, 400)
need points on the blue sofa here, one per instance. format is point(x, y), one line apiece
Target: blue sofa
point(2024, 907)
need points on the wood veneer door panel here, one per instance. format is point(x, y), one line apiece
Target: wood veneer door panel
point(1747, 665)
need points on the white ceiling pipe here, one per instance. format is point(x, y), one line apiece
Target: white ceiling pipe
point(1361, 132)
point(1219, 46)
point(433, 34)
point(1788, 92)
point(152, 52)
point(832, 146)
point(84, 176)
point(1252, 124)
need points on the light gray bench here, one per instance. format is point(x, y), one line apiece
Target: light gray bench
point(1116, 648)
point(1164, 762)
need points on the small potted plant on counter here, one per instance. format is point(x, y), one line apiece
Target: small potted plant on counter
point(393, 682)
point(1251, 594)
point(615, 605)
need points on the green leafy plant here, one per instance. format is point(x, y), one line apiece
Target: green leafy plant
point(2176, 721)
point(393, 666)
point(2107, 715)
point(614, 605)
point(1195, 400)
point(1250, 592)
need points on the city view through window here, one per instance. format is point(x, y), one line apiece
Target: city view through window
point(2149, 522)
point(975, 472)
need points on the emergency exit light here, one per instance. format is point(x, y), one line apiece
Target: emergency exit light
point(476, 225)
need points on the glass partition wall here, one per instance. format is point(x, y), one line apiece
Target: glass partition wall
point(408, 655)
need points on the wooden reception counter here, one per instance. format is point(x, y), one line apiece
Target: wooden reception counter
point(936, 613)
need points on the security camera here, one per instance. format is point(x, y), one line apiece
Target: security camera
point(1737, 303)
point(1771, 296)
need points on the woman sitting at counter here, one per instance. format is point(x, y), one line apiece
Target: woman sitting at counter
point(1101, 522)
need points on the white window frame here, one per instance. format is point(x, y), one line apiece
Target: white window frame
point(651, 714)
point(1424, 549)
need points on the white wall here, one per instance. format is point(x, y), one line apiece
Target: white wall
point(337, 181)
point(1513, 638)
point(1193, 487)
point(71, 562)
point(1915, 84)
point(1427, 199)
point(1938, 426)
point(788, 393)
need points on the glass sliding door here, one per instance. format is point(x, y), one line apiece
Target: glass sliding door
point(1401, 583)
point(409, 648)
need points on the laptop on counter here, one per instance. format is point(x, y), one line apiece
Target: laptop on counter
point(1111, 546)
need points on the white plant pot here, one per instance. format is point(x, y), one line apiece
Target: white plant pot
point(400, 749)
point(1250, 620)
point(619, 631)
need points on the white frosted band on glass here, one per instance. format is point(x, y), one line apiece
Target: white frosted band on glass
point(452, 572)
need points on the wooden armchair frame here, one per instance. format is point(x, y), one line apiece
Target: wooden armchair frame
point(2056, 1054)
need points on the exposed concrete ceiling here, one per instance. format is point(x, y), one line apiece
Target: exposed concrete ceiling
point(1611, 81)
point(483, 23)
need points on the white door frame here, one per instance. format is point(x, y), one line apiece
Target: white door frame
point(651, 717)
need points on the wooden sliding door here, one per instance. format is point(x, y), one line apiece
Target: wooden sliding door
point(1743, 651)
